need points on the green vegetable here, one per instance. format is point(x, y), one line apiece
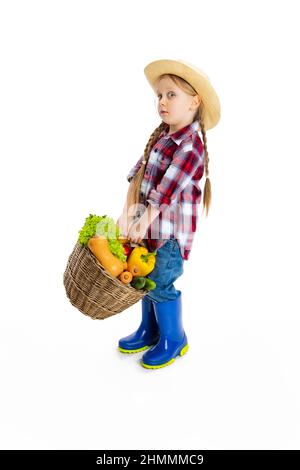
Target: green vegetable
point(103, 226)
point(89, 228)
point(117, 249)
point(150, 284)
point(138, 282)
point(108, 228)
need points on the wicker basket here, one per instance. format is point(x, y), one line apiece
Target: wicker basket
point(93, 290)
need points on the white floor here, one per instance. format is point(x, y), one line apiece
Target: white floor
point(65, 385)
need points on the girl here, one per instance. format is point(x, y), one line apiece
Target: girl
point(162, 200)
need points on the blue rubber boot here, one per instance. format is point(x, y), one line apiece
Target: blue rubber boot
point(172, 341)
point(147, 333)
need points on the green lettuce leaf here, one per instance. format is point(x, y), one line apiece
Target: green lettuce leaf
point(103, 226)
point(89, 228)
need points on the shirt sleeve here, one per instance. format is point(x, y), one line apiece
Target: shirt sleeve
point(135, 169)
point(186, 162)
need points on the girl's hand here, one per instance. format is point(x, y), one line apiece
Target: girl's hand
point(139, 229)
point(137, 232)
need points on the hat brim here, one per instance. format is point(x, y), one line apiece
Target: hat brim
point(196, 78)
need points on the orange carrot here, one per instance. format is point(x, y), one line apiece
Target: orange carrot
point(125, 277)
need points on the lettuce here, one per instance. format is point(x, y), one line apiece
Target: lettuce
point(108, 228)
point(89, 228)
point(103, 226)
point(117, 249)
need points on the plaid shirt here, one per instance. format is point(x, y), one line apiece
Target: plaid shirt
point(170, 184)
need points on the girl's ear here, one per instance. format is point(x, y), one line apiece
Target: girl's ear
point(196, 100)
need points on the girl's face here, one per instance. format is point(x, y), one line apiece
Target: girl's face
point(179, 107)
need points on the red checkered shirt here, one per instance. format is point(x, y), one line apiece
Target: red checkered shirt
point(171, 184)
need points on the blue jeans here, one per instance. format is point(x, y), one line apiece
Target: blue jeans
point(168, 268)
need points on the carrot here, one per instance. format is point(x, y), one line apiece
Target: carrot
point(125, 277)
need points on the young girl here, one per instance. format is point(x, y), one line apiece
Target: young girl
point(162, 202)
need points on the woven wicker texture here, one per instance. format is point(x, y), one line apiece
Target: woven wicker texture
point(92, 290)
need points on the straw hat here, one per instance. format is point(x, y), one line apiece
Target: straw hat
point(195, 77)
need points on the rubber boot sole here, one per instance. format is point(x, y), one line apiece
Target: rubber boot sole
point(132, 351)
point(159, 366)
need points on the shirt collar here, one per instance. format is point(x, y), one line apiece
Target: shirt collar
point(181, 134)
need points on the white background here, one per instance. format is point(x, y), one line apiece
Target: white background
point(76, 113)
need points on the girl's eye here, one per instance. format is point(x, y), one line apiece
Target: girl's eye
point(170, 93)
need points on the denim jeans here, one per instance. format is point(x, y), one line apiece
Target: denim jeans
point(168, 268)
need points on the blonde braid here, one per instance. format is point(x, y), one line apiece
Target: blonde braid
point(133, 195)
point(207, 186)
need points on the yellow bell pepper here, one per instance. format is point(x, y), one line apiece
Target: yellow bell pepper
point(140, 261)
